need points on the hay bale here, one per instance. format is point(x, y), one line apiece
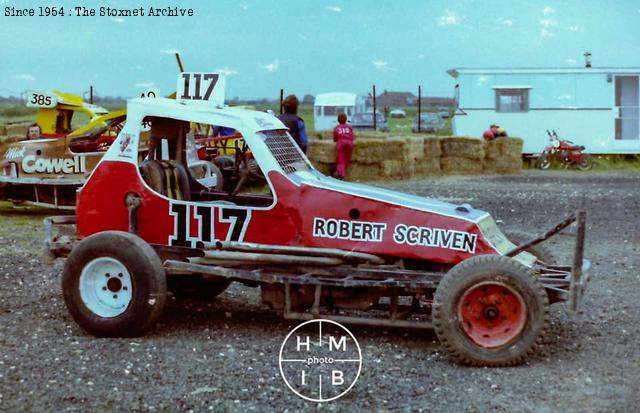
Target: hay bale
point(458, 165)
point(470, 148)
point(365, 172)
point(509, 146)
point(321, 150)
point(399, 169)
point(11, 138)
point(17, 128)
point(491, 150)
point(397, 149)
point(369, 150)
point(432, 148)
point(427, 166)
point(415, 147)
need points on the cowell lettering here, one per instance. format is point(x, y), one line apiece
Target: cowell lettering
point(75, 165)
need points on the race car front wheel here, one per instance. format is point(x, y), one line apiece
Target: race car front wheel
point(114, 285)
point(490, 310)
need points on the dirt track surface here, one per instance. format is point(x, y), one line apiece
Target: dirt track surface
point(223, 356)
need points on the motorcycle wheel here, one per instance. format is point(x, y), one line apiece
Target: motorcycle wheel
point(543, 162)
point(585, 163)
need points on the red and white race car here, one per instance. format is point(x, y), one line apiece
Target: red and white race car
point(316, 246)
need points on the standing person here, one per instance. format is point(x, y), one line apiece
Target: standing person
point(343, 137)
point(294, 122)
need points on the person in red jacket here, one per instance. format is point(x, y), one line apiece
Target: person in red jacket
point(343, 137)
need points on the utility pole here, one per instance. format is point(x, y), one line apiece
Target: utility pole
point(419, 104)
point(375, 125)
point(281, 100)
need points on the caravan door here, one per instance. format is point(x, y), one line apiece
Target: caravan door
point(627, 113)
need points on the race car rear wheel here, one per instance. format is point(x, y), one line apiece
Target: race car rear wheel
point(541, 251)
point(114, 284)
point(490, 310)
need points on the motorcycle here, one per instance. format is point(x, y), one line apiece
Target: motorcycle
point(565, 152)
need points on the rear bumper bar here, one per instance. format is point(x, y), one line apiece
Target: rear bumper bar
point(564, 283)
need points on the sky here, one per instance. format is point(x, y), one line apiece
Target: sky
point(307, 46)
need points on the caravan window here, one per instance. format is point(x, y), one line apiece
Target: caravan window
point(512, 100)
point(336, 110)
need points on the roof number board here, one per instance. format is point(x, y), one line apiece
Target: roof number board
point(201, 88)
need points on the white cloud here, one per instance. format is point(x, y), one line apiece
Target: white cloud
point(227, 71)
point(546, 33)
point(420, 56)
point(573, 28)
point(383, 66)
point(138, 67)
point(548, 10)
point(117, 19)
point(449, 18)
point(506, 22)
point(546, 23)
point(170, 50)
point(335, 9)
point(24, 76)
point(145, 85)
point(244, 6)
point(565, 96)
point(271, 67)
point(570, 60)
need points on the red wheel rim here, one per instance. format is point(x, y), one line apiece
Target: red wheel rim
point(492, 314)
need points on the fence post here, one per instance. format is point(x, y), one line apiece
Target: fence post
point(281, 100)
point(90, 94)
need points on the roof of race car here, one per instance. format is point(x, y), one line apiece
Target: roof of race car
point(237, 118)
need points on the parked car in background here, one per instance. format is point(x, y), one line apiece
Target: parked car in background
point(398, 113)
point(430, 122)
point(444, 112)
point(363, 121)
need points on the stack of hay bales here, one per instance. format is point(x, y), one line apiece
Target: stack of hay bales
point(461, 155)
point(404, 157)
point(503, 155)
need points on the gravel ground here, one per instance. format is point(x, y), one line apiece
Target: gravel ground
point(223, 355)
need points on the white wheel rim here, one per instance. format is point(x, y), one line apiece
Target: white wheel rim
point(105, 287)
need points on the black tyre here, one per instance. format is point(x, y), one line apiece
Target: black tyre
point(541, 251)
point(585, 163)
point(543, 162)
point(114, 285)
point(490, 310)
point(197, 288)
